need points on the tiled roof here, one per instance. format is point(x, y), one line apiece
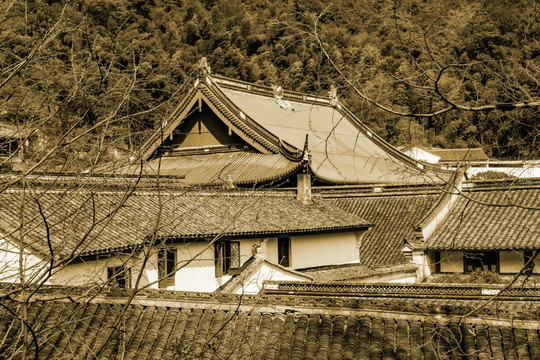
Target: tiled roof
point(342, 150)
point(469, 154)
point(212, 169)
point(501, 217)
point(351, 273)
point(123, 219)
point(89, 331)
point(393, 217)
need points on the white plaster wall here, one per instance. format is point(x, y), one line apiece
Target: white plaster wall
point(272, 250)
point(520, 172)
point(95, 271)
point(196, 265)
point(194, 260)
point(513, 261)
point(452, 261)
point(199, 274)
point(323, 249)
point(421, 260)
point(254, 284)
point(246, 249)
point(9, 264)
point(510, 261)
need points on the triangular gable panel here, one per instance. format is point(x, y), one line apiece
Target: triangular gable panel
point(202, 130)
point(203, 98)
point(207, 141)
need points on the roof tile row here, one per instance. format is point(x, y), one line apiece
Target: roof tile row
point(496, 218)
point(393, 217)
point(106, 331)
point(212, 169)
point(85, 221)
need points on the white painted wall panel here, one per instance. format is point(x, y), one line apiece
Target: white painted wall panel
point(452, 261)
point(323, 249)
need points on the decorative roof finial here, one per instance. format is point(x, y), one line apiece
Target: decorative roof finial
point(306, 156)
point(229, 183)
point(278, 92)
point(203, 66)
point(332, 94)
point(278, 95)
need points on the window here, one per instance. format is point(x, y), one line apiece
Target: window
point(284, 251)
point(482, 260)
point(437, 261)
point(166, 267)
point(527, 255)
point(119, 276)
point(7, 147)
point(227, 257)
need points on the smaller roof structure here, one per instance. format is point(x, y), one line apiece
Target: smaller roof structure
point(256, 270)
point(501, 215)
point(459, 155)
point(421, 154)
point(355, 273)
point(394, 215)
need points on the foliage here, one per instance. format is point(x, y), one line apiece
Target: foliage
point(478, 276)
point(492, 175)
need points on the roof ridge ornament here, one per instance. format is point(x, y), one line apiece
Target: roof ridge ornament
point(306, 155)
point(279, 93)
point(333, 95)
point(204, 68)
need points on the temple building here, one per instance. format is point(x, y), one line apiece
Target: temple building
point(225, 131)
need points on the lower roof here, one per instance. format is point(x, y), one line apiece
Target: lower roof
point(112, 330)
point(86, 220)
point(213, 169)
point(394, 217)
point(501, 217)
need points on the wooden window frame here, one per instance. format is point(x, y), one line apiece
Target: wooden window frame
point(166, 263)
point(227, 257)
point(284, 251)
point(527, 255)
point(119, 276)
point(437, 261)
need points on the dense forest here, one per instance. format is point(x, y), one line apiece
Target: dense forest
point(92, 77)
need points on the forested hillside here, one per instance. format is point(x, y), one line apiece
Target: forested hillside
point(94, 76)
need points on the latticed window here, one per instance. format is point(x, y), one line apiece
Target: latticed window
point(119, 276)
point(227, 257)
point(166, 267)
point(7, 147)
